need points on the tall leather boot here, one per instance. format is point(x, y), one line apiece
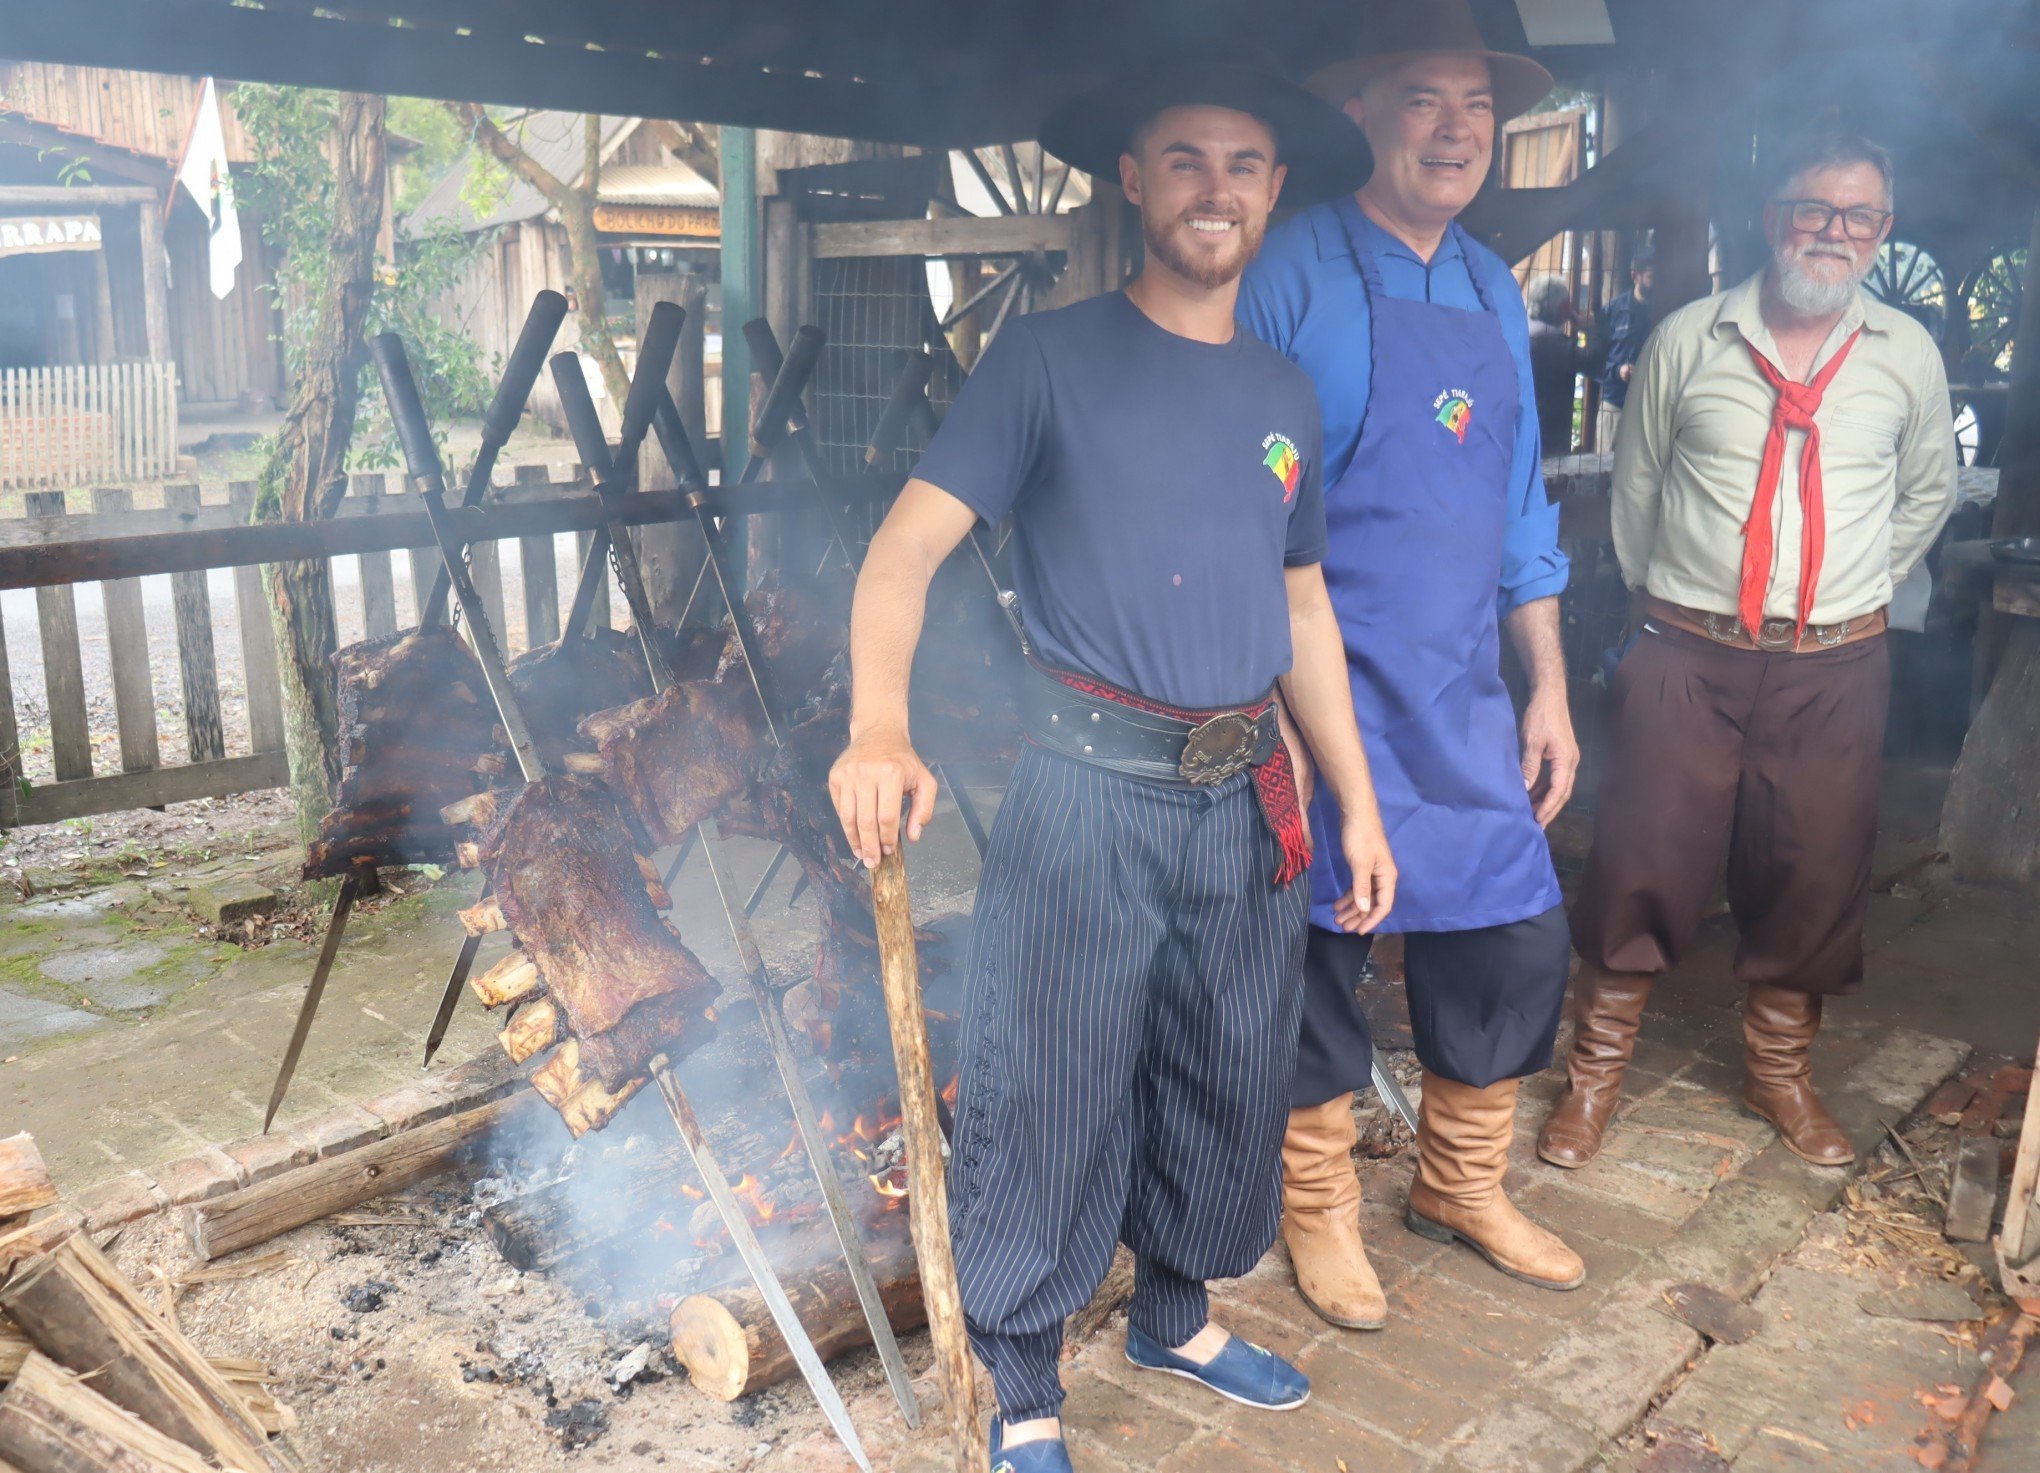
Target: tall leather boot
point(1779, 1024)
point(1321, 1217)
point(1607, 1012)
point(1463, 1138)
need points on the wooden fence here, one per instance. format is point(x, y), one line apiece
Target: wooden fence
point(81, 423)
point(211, 769)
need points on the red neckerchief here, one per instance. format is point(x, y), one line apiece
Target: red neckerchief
point(1797, 404)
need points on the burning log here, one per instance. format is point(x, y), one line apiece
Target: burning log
point(52, 1419)
point(727, 1341)
point(567, 882)
point(290, 1200)
point(81, 1314)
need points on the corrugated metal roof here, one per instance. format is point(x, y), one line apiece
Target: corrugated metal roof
point(657, 184)
point(553, 139)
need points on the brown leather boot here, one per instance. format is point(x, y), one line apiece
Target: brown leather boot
point(1321, 1217)
point(1607, 1013)
point(1462, 1152)
point(1778, 1028)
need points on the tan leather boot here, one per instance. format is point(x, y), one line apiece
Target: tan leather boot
point(1462, 1152)
point(1608, 1010)
point(1321, 1217)
point(1779, 1024)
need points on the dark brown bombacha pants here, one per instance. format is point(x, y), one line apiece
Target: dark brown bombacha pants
point(1771, 760)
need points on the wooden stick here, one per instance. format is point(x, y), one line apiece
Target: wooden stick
point(290, 1200)
point(52, 1421)
point(24, 1180)
point(83, 1315)
point(900, 967)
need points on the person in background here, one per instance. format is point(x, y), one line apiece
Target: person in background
point(1786, 458)
point(1554, 358)
point(1625, 324)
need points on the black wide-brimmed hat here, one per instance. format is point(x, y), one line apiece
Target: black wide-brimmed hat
point(1325, 151)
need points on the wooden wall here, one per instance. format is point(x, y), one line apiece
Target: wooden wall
point(223, 347)
point(488, 303)
point(148, 113)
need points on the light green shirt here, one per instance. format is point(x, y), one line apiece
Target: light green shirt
point(1692, 438)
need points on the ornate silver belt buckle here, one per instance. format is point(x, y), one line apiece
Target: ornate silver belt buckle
point(1777, 634)
point(1218, 748)
point(1724, 630)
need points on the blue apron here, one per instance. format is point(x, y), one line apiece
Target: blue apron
point(1414, 569)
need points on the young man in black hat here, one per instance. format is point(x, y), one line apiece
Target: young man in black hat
point(1136, 953)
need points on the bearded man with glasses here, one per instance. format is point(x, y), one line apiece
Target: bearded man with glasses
point(1786, 457)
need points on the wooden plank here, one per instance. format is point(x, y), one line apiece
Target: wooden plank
point(259, 674)
point(191, 605)
point(378, 587)
point(261, 1212)
point(1972, 1195)
point(424, 563)
point(537, 566)
point(63, 670)
point(2022, 1210)
point(121, 556)
point(999, 235)
point(486, 569)
point(127, 653)
point(51, 802)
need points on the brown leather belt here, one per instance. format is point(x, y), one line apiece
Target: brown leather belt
point(1775, 638)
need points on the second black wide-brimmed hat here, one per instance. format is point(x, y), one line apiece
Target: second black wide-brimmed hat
point(1325, 151)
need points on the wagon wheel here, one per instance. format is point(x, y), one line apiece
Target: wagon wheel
point(1906, 277)
point(1996, 293)
point(1005, 283)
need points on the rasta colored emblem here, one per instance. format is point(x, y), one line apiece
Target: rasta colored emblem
point(1282, 459)
point(1455, 411)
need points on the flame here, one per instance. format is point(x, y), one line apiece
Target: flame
point(753, 1197)
point(949, 1091)
point(663, 1226)
point(692, 1194)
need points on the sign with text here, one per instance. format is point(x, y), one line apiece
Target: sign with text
point(28, 235)
point(675, 220)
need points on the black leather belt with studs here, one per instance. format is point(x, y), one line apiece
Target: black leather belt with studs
point(1197, 747)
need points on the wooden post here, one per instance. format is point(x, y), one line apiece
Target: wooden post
point(928, 1194)
point(63, 669)
point(378, 586)
point(191, 601)
point(127, 652)
point(538, 568)
point(486, 569)
point(155, 282)
point(258, 638)
point(670, 552)
point(600, 618)
point(10, 740)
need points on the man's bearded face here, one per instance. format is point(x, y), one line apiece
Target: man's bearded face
point(1205, 179)
point(1819, 273)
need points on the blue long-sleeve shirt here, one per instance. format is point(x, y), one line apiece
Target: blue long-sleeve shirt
point(1629, 325)
point(1303, 296)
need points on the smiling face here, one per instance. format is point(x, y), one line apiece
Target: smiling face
point(1819, 271)
point(1205, 180)
point(1431, 123)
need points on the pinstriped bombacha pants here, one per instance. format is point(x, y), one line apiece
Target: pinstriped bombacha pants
point(1130, 1030)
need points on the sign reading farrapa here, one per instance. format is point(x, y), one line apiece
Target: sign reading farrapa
point(25, 235)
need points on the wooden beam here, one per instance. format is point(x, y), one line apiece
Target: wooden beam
point(999, 235)
point(84, 194)
point(117, 792)
point(137, 555)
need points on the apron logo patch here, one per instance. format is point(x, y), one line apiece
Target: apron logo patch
point(1455, 411)
point(1282, 459)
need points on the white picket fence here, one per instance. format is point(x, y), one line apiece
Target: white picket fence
point(80, 423)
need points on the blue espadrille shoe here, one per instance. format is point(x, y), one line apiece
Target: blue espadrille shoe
point(1046, 1456)
point(1243, 1371)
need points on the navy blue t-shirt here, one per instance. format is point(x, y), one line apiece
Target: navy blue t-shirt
point(1158, 486)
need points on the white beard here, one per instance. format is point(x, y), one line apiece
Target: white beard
point(1813, 295)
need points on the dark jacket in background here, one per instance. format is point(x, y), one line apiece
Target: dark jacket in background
point(1628, 323)
point(1554, 362)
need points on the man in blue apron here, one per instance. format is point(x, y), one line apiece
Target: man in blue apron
point(1131, 1021)
point(1439, 532)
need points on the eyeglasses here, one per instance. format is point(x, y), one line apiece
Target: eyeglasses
point(1811, 216)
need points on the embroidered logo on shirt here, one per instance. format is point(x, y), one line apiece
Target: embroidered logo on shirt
point(1282, 459)
point(1455, 411)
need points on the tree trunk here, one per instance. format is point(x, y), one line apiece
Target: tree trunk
point(307, 471)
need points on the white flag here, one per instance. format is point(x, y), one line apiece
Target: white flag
point(204, 174)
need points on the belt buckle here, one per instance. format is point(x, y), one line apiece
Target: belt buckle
point(1777, 635)
point(1218, 748)
point(1723, 630)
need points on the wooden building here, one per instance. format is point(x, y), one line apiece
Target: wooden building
point(91, 144)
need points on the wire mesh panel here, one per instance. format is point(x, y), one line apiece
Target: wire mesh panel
point(875, 311)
